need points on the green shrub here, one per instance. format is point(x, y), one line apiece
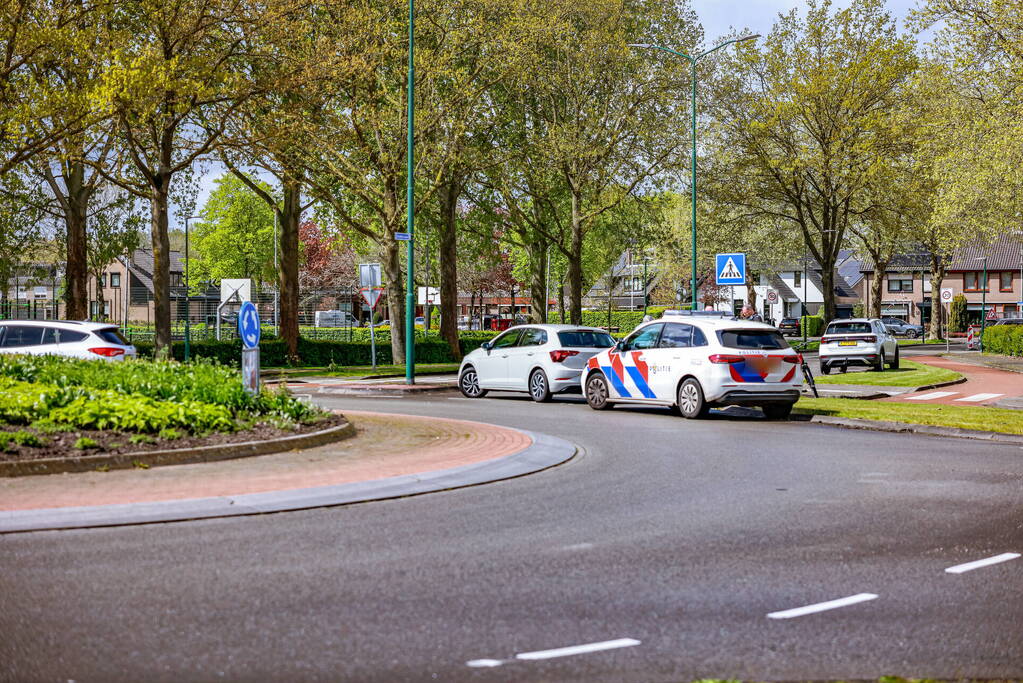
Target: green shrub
point(811, 325)
point(1004, 339)
point(84, 442)
point(957, 314)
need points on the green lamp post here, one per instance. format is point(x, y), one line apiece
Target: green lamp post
point(410, 298)
point(692, 64)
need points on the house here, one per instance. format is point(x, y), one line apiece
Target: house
point(906, 286)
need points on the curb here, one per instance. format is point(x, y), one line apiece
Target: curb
point(930, 430)
point(392, 390)
point(938, 385)
point(544, 452)
point(178, 456)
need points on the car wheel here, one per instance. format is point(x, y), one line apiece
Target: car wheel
point(777, 411)
point(539, 390)
point(879, 365)
point(825, 368)
point(690, 400)
point(895, 361)
point(913, 334)
point(597, 392)
point(469, 383)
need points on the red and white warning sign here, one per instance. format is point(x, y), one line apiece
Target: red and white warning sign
point(371, 295)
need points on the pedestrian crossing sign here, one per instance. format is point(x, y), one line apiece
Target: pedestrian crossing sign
point(730, 269)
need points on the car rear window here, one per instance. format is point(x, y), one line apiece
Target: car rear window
point(585, 338)
point(849, 328)
point(752, 339)
point(112, 335)
point(69, 336)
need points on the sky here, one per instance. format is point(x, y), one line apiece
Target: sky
point(718, 17)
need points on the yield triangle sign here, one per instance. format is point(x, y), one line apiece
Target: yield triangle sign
point(371, 295)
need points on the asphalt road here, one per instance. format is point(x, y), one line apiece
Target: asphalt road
point(669, 540)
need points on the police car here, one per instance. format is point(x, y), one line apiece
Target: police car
point(692, 362)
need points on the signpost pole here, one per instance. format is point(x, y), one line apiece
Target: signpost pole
point(372, 341)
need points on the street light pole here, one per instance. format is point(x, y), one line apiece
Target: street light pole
point(692, 183)
point(188, 296)
point(410, 300)
point(983, 304)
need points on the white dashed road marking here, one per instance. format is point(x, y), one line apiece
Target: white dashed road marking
point(822, 606)
point(987, 562)
point(976, 398)
point(559, 652)
point(932, 395)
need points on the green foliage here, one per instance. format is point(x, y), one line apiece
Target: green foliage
point(84, 442)
point(811, 325)
point(858, 310)
point(1004, 339)
point(957, 314)
point(170, 433)
point(625, 321)
point(21, 438)
point(141, 438)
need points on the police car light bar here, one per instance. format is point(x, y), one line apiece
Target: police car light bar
point(709, 314)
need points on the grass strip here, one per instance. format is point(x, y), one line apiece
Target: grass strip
point(964, 417)
point(908, 374)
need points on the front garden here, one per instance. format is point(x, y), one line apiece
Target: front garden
point(59, 407)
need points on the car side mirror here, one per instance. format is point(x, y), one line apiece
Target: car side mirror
point(486, 346)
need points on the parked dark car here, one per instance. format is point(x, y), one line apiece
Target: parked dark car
point(900, 326)
point(789, 326)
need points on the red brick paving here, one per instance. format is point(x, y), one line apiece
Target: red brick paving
point(386, 446)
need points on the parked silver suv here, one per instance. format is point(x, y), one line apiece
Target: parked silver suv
point(858, 341)
point(64, 338)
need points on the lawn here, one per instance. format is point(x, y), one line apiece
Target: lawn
point(366, 370)
point(964, 417)
point(908, 374)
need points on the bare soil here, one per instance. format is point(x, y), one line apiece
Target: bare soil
point(62, 444)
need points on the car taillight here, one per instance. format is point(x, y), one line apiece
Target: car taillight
point(107, 351)
point(561, 354)
point(725, 358)
point(792, 359)
point(825, 340)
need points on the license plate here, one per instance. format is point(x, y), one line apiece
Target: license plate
point(847, 343)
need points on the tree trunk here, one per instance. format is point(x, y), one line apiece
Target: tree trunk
point(76, 268)
point(828, 280)
point(874, 301)
point(159, 202)
point(289, 218)
point(561, 300)
point(751, 292)
point(99, 296)
point(390, 260)
point(537, 280)
point(938, 266)
point(575, 265)
point(448, 258)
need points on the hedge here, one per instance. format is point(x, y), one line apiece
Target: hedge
point(318, 352)
point(625, 321)
point(811, 325)
point(1004, 339)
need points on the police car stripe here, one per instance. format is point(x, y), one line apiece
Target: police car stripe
point(637, 378)
point(616, 382)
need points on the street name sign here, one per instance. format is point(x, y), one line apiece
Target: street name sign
point(403, 236)
point(730, 269)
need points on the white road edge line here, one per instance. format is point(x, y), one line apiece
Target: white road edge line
point(578, 649)
point(934, 394)
point(969, 566)
point(978, 397)
point(822, 606)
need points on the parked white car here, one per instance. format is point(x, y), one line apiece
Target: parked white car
point(64, 338)
point(858, 341)
point(540, 359)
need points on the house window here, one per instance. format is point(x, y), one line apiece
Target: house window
point(1005, 281)
point(175, 279)
point(101, 281)
point(797, 278)
point(973, 281)
point(115, 279)
point(900, 285)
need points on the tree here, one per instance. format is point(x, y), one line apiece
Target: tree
point(20, 227)
point(234, 239)
point(327, 261)
point(176, 81)
point(957, 314)
point(805, 118)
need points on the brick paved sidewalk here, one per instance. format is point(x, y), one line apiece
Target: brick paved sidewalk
point(983, 386)
point(386, 446)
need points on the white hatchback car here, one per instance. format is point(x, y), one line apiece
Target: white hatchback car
point(692, 362)
point(540, 359)
point(64, 338)
point(858, 341)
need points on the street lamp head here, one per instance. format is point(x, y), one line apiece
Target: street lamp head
point(752, 36)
